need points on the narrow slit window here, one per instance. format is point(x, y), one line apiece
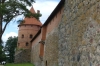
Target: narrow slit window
point(46, 62)
point(26, 43)
point(22, 36)
point(31, 35)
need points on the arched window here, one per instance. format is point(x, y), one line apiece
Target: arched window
point(22, 36)
point(26, 43)
point(31, 35)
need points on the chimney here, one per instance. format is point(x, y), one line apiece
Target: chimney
point(38, 11)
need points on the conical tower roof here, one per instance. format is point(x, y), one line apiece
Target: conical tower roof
point(32, 10)
point(32, 20)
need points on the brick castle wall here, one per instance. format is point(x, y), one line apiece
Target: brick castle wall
point(47, 56)
point(79, 33)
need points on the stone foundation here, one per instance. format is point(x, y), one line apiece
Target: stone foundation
point(22, 56)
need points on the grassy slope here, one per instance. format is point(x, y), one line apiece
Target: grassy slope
point(23, 64)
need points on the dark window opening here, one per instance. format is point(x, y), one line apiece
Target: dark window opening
point(31, 35)
point(22, 36)
point(26, 43)
point(46, 62)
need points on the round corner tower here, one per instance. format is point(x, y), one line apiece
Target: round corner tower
point(27, 31)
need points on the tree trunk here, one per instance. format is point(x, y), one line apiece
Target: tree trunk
point(0, 26)
point(1, 17)
point(0, 29)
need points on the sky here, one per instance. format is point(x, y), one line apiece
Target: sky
point(45, 6)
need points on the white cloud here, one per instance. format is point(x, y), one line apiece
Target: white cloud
point(7, 35)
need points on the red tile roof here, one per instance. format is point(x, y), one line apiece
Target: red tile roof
point(32, 20)
point(32, 10)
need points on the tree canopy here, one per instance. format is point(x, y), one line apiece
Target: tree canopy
point(12, 8)
point(10, 47)
point(2, 53)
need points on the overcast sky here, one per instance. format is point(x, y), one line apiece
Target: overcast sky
point(45, 7)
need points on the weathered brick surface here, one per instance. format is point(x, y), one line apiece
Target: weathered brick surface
point(79, 33)
point(35, 55)
point(51, 48)
point(26, 30)
point(35, 50)
point(22, 56)
point(50, 51)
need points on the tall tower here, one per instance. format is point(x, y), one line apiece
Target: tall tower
point(27, 30)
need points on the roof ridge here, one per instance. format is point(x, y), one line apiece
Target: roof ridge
point(32, 10)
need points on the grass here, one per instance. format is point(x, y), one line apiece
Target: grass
point(22, 64)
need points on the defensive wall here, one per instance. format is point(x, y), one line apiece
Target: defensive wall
point(79, 33)
point(45, 43)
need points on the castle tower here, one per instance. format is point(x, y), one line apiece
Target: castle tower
point(27, 31)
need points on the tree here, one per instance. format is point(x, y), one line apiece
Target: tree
point(10, 47)
point(2, 54)
point(12, 8)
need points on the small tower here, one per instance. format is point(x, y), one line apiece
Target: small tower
point(27, 31)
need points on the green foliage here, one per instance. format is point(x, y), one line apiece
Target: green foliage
point(21, 49)
point(10, 47)
point(30, 15)
point(1, 42)
point(22, 64)
point(21, 21)
point(11, 8)
point(2, 54)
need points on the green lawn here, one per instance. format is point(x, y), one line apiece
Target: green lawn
point(22, 64)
